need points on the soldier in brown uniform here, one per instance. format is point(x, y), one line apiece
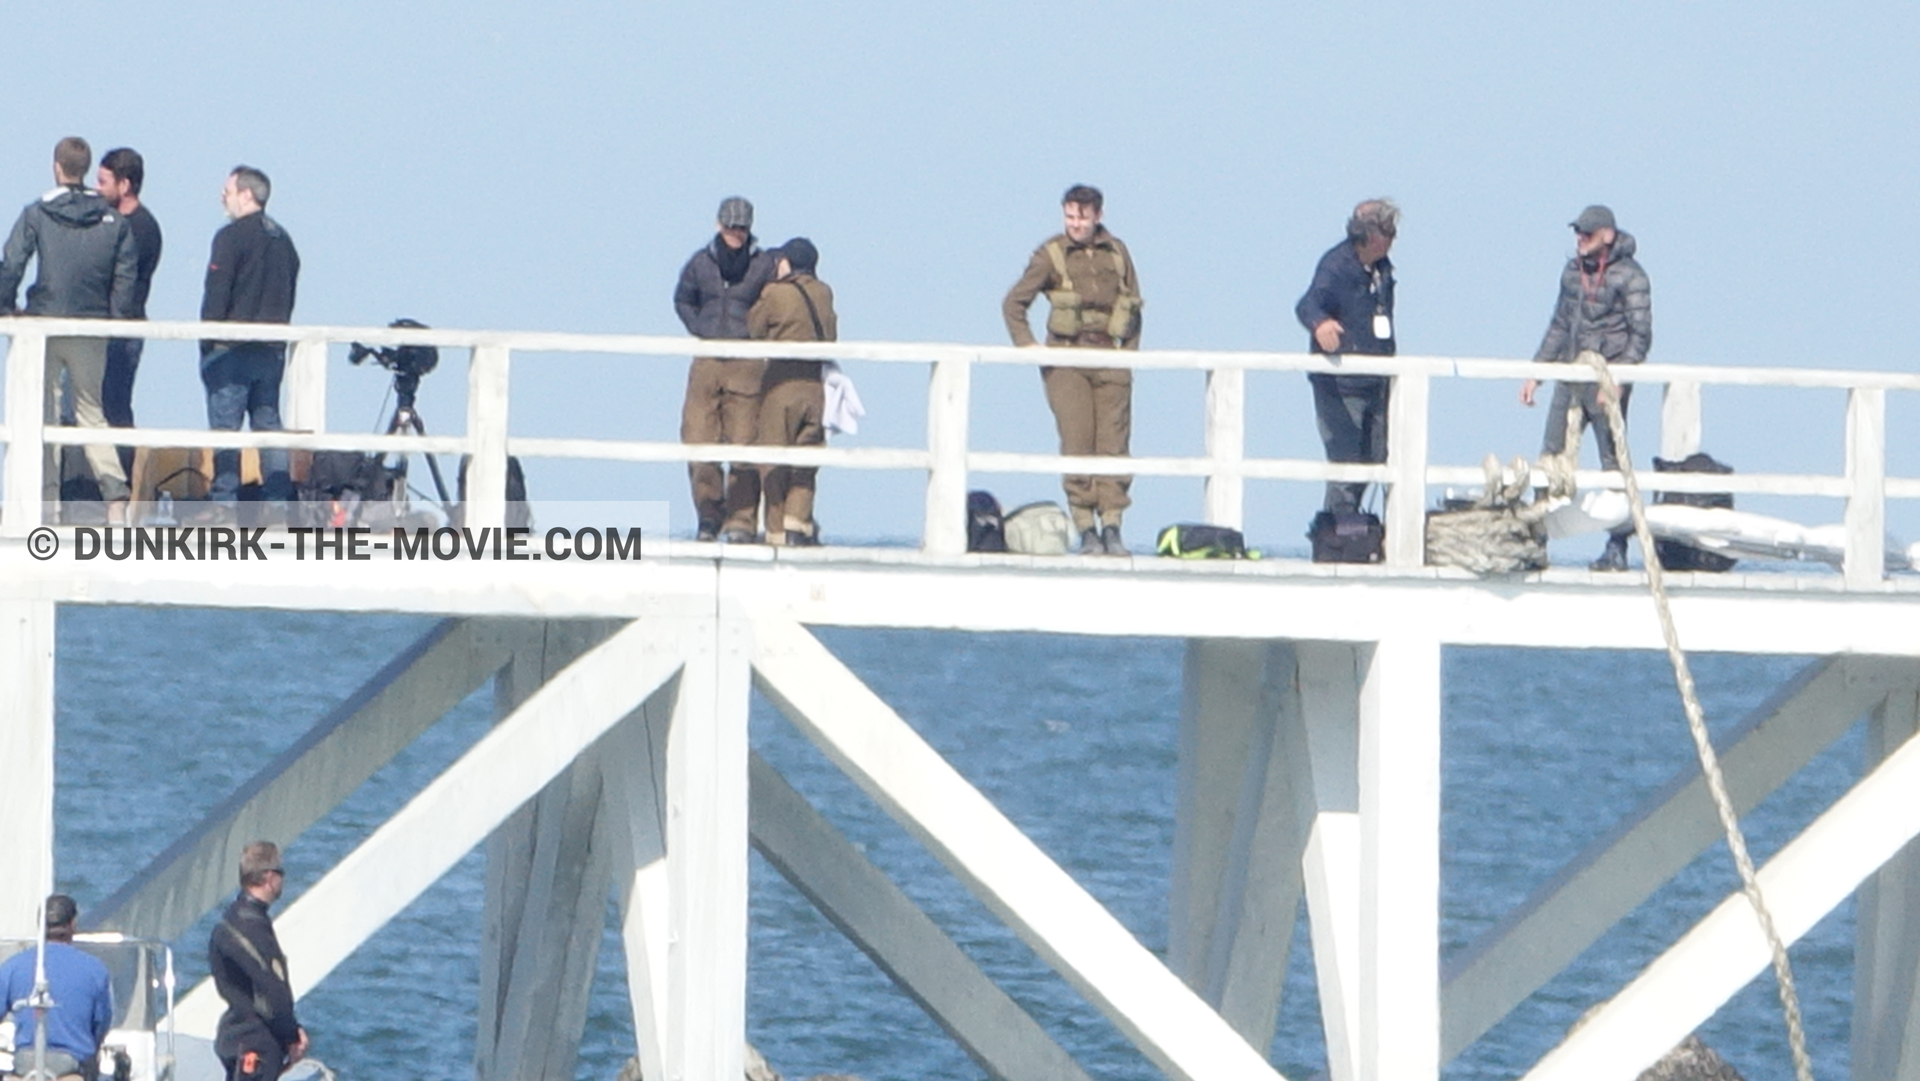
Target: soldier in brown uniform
point(1089, 280)
point(795, 307)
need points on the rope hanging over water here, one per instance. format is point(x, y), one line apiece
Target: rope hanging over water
point(1697, 724)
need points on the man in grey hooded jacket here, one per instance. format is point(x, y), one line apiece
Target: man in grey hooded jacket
point(89, 264)
point(1605, 307)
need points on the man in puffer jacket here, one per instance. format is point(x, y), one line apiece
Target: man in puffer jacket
point(717, 288)
point(89, 263)
point(1605, 307)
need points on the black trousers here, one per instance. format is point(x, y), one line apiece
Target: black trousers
point(1352, 411)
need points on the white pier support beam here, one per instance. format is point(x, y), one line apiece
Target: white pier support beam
point(1806, 880)
point(1866, 515)
point(1399, 970)
point(1333, 898)
point(891, 930)
point(1886, 955)
point(1038, 900)
point(488, 379)
point(1613, 875)
point(313, 776)
point(462, 807)
point(547, 888)
point(634, 830)
point(26, 746)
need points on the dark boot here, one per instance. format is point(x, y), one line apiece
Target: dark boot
point(1090, 543)
point(1615, 557)
point(1110, 541)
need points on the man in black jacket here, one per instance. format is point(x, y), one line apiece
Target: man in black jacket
point(258, 1036)
point(717, 288)
point(88, 267)
point(1349, 309)
point(122, 173)
point(1606, 307)
point(251, 278)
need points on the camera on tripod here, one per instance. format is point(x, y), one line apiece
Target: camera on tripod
point(407, 362)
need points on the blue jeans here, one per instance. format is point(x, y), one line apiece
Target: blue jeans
point(116, 390)
point(243, 381)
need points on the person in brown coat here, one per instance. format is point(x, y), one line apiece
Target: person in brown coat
point(795, 307)
point(1090, 283)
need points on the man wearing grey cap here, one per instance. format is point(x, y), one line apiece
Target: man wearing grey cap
point(1605, 307)
point(717, 288)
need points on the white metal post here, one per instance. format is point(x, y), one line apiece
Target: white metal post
point(1866, 560)
point(1407, 461)
point(487, 382)
point(1680, 421)
point(949, 393)
point(26, 379)
point(1226, 446)
point(26, 746)
point(1399, 977)
point(1886, 953)
point(306, 386)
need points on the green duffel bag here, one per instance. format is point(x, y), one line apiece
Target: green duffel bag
point(1193, 541)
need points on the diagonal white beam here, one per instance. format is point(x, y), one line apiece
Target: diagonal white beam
point(311, 777)
point(1807, 879)
point(1612, 876)
point(1051, 912)
point(1332, 868)
point(463, 805)
point(896, 935)
point(633, 827)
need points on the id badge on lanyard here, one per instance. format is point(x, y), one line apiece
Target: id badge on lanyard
point(1382, 322)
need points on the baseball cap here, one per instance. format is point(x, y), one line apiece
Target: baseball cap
point(1593, 219)
point(736, 213)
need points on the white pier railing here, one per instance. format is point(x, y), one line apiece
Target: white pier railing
point(949, 456)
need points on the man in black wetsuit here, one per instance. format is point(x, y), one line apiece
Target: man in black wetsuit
point(258, 1035)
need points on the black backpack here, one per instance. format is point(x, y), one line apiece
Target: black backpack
point(1347, 537)
point(986, 526)
point(338, 483)
point(1673, 555)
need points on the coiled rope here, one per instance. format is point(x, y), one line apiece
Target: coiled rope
point(1697, 724)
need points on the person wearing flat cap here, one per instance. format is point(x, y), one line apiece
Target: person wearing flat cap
point(795, 307)
point(1605, 307)
point(717, 288)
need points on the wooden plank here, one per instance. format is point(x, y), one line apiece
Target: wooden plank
point(1040, 902)
point(860, 900)
point(1722, 953)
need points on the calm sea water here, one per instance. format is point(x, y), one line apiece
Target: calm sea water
point(161, 712)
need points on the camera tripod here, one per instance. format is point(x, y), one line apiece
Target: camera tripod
point(406, 418)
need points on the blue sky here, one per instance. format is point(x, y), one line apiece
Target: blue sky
point(496, 166)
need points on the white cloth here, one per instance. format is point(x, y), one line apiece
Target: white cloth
point(843, 409)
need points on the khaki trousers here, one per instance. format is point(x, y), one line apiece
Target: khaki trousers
point(791, 414)
point(723, 406)
point(85, 362)
point(1093, 409)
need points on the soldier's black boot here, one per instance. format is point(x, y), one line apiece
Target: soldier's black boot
point(1615, 557)
point(1111, 543)
point(1090, 543)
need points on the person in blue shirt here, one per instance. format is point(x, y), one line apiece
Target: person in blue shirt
point(82, 992)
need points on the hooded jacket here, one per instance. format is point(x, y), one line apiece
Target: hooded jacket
point(709, 305)
point(89, 261)
point(1606, 305)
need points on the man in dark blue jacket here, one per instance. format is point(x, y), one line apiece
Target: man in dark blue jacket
point(1349, 309)
point(717, 288)
point(88, 266)
point(251, 278)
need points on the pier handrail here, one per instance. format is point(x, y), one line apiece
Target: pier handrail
point(948, 457)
